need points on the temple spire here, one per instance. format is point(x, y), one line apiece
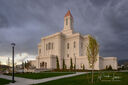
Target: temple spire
point(68, 21)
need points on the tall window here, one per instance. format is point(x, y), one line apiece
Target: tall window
point(81, 45)
point(48, 46)
point(66, 21)
point(67, 45)
point(74, 44)
point(68, 55)
point(52, 45)
point(39, 51)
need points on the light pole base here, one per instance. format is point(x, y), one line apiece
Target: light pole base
point(13, 81)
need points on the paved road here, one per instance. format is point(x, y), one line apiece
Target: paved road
point(24, 81)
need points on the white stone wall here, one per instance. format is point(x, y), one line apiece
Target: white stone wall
point(72, 51)
point(110, 61)
point(101, 63)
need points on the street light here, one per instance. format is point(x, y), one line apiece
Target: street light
point(13, 45)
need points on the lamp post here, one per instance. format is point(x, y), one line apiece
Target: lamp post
point(75, 64)
point(13, 45)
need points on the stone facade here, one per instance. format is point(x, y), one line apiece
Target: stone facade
point(68, 44)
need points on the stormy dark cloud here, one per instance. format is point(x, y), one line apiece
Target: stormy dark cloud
point(26, 21)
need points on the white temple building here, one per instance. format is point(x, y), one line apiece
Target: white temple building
point(65, 45)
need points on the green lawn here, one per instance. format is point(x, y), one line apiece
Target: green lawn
point(85, 80)
point(41, 75)
point(4, 81)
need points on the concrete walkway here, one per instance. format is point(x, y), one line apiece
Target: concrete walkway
point(24, 81)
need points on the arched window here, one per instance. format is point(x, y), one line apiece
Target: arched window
point(74, 44)
point(81, 45)
point(49, 46)
point(67, 45)
point(45, 65)
point(39, 51)
point(68, 55)
point(66, 21)
point(52, 45)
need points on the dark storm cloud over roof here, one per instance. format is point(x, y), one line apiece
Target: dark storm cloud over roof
point(26, 21)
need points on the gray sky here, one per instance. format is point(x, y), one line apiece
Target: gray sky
point(26, 21)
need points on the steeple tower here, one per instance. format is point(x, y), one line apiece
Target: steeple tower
point(68, 21)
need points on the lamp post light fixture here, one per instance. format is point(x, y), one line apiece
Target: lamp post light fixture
point(13, 45)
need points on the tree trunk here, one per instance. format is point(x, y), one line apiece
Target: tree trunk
point(92, 76)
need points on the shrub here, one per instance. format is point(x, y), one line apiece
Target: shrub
point(57, 63)
point(71, 65)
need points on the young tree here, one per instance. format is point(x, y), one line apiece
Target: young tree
point(92, 52)
point(106, 67)
point(57, 63)
point(123, 67)
point(71, 65)
point(110, 67)
point(83, 67)
point(64, 67)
